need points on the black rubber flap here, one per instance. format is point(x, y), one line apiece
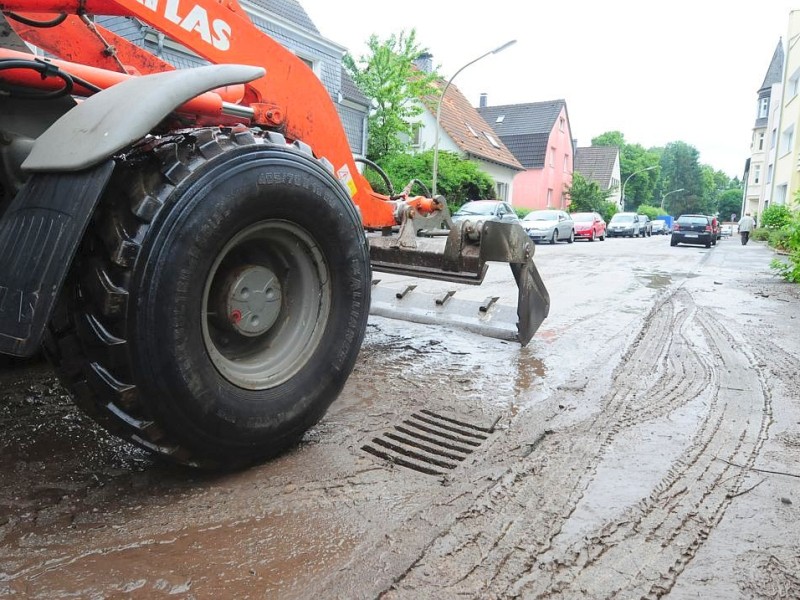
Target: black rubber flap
point(39, 235)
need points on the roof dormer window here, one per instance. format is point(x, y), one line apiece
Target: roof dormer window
point(491, 139)
point(471, 130)
point(500, 119)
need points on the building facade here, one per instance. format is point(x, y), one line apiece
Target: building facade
point(783, 130)
point(539, 135)
point(764, 143)
point(600, 164)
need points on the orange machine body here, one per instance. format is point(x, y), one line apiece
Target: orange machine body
point(290, 97)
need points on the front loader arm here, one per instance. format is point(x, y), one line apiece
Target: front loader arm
point(289, 97)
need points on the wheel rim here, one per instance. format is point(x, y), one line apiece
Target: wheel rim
point(265, 304)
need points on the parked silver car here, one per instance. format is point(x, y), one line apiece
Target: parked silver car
point(549, 226)
point(624, 224)
point(659, 227)
point(486, 210)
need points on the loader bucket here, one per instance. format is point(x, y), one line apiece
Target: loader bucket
point(459, 255)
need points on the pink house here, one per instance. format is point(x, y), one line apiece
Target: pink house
point(538, 134)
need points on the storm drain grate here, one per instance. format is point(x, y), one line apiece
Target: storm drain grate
point(429, 442)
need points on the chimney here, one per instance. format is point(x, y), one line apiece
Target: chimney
point(424, 62)
point(484, 100)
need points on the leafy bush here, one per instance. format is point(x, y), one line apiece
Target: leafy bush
point(521, 212)
point(790, 269)
point(780, 239)
point(776, 216)
point(608, 210)
point(760, 235)
point(651, 211)
point(459, 180)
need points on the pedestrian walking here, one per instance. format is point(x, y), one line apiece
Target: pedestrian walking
point(746, 225)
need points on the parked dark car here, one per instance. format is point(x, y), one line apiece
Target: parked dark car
point(624, 224)
point(589, 226)
point(693, 229)
point(486, 210)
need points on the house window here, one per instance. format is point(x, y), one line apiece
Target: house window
point(471, 130)
point(757, 174)
point(561, 123)
point(500, 119)
point(794, 84)
point(549, 198)
point(780, 194)
point(761, 140)
point(552, 156)
point(763, 108)
point(492, 141)
point(563, 201)
point(566, 163)
point(787, 139)
point(502, 191)
point(314, 65)
point(773, 139)
point(769, 173)
point(416, 128)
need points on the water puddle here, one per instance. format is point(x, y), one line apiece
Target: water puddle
point(273, 555)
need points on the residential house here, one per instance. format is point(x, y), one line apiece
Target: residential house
point(287, 23)
point(600, 164)
point(786, 178)
point(763, 147)
point(463, 131)
point(540, 137)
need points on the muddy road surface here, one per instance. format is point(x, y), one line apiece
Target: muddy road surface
point(646, 444)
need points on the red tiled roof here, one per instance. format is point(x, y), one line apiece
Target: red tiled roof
point(470, 132)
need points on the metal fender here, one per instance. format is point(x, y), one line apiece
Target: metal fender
point(118, 116)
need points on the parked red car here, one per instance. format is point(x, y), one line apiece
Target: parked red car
point(589, 226)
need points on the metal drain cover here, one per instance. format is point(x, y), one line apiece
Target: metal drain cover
point(429, 442)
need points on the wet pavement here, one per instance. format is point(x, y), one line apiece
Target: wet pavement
point(645, 444)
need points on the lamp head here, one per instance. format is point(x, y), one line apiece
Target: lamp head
point(504, 46)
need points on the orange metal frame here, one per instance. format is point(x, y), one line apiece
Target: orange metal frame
point(289, 97)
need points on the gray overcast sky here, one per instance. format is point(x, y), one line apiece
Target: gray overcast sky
point(684, 70)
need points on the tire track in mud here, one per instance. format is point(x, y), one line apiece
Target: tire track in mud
point(511, 542)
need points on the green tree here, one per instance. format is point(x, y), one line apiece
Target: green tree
point(730, 202)
point(680, 168)
point(610, 138)
point(633, 158)
point(387, 76)
point(586, 196)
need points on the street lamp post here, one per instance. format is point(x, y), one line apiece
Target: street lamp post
point(667, 194)
point(628, 178)
point(439, 108)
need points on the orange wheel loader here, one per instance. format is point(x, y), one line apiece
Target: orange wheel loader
point(189, 247)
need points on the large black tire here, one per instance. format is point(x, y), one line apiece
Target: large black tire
point(151, 332)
